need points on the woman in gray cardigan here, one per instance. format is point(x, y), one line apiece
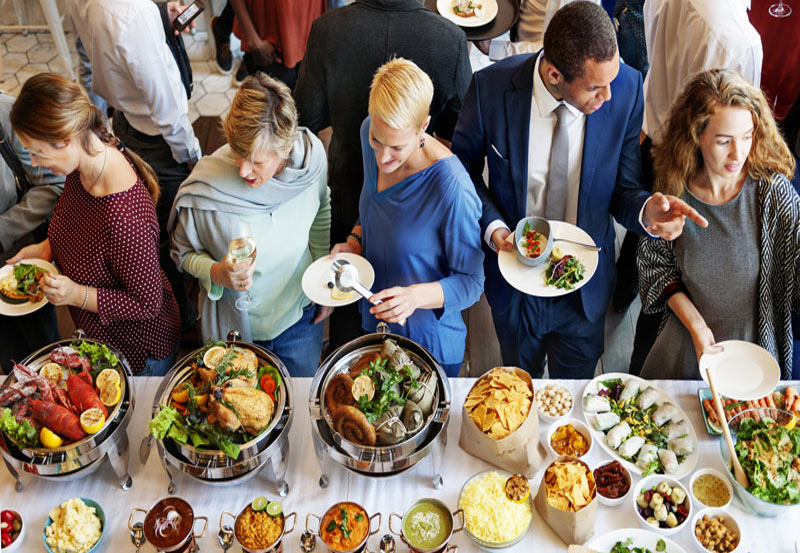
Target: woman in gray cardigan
point(738, 278)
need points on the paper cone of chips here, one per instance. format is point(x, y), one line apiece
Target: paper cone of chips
point(499, 423)
point(567, 499)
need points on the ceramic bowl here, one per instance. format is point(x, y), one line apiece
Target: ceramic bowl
point(547, 417)
point(650, 482)
point(609, 501)
point(697, 474)
point(728, 520)
point(17, 543)
point(537, 224)
point(579, 426)
point(100, 514)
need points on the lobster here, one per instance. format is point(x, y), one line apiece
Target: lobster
point(83, 395)
point(58, 419)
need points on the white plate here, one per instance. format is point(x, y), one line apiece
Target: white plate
point(641, 538)
point(742, 371)
point(445, 8)
point(17, 310)
point(530, 280)
point(316, 278)
point(688, 464)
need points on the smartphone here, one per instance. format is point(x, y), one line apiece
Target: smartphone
point(187, 16)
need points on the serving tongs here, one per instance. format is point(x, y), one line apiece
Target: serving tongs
point(345, 277)
point(738, 471)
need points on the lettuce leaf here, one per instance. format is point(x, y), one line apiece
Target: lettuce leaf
point(23, 434)
point(228, 448)
point(163, 421)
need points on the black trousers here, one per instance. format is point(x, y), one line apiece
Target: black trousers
point(156, 152)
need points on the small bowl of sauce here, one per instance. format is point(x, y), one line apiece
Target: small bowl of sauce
point(710, 488)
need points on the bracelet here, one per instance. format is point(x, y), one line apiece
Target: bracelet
point(85, 298)
point(356, 237)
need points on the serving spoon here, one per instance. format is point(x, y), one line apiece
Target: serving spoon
point(738, 471)
point(137, 536)
point(225, 537)
point(345, 277)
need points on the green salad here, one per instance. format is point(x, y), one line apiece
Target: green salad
point(770, 456)
point(628, 547)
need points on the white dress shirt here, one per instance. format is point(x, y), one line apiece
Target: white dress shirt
point(134, 70)
point(687, 36)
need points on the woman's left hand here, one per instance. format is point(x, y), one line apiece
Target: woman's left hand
point(398, 304)
point(323, 313)
point(61, 290)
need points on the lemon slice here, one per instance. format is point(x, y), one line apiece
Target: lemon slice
point(517, 488)
point(110, 394)
point(49, 438)
point(337, 294)
point(52, 372)
point(213, 356)
point(363, 386)
point(106, 377)
point(92, 420)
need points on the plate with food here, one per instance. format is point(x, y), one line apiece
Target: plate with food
point(786, 398)
point(569, 266)
point(639, 425)
point(320, 288)
point(20, 286)
point(468, 13)
point(633, 540)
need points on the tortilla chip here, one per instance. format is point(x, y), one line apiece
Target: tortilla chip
point(499, 402)
point(569, 486)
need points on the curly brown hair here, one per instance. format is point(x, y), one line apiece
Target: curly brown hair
point(578, 32)
point(676, 155)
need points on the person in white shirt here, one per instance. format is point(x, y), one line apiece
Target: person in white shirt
point(136, 73)
point(683, 38)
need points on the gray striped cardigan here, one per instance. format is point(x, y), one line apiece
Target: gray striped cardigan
point(779, 276)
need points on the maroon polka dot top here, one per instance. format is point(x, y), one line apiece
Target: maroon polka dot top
point(111, 243)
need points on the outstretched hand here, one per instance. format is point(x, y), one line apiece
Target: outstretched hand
point(664, 216)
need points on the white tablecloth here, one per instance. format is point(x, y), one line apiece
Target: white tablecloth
point(385, 496)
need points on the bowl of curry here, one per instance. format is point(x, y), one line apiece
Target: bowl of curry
point(345, 527)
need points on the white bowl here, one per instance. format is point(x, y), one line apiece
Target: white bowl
point(718, 474)
point(17, 543)
point(579, 426)
point(548, 418)
point(650, 482)
point(621, 499)
point(728, 520)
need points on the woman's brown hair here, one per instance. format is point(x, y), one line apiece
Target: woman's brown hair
point(53, 109)
point(677, 157)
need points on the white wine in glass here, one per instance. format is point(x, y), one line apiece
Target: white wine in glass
point(242, 249)
point(780, 9)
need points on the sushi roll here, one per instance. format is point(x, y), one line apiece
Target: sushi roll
point(604, 421)
point(631, 447)
point(682, 446)
point(668, 460)
point(665, 413)
point(617, 434)
point(629, 391)
point(647, 398)
point(592, 403)
point(676, 429)
point(647, 454)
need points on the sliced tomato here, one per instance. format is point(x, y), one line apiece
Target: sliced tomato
point(267, 384)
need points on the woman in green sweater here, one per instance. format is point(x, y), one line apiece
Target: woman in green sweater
point(271, 180)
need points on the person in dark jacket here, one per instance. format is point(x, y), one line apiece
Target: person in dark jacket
point(345, 48)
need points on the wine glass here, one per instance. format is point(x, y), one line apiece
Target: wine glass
point(780, 9)
point(242, 248)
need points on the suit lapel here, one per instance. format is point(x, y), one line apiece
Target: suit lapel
point(518, 115)
point(592, 140)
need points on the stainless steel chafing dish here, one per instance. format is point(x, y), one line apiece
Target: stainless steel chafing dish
point(268, 451)
point(81, 458)
point(378, 461)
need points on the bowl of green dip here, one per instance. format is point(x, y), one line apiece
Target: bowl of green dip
point(427, 526)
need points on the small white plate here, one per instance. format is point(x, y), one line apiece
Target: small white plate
point(640, 537)
point(742, 371)
point(445, 8)
point(530, 280)
point(316, 278)
point(17, 310)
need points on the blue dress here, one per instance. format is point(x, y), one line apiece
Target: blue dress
point(425, 228)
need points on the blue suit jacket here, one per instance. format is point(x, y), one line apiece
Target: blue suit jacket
point(495, 120)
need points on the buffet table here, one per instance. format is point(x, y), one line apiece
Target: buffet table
point(385, 496)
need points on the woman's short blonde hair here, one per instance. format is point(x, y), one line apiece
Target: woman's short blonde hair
point(262, 115)
point(401, 94)
point(676, 156)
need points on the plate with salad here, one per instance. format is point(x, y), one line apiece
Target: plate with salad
point(20, 286)
point(633, 540)
point(569, 268)
point(640, 426)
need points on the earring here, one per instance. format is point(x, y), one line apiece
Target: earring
point(422, 141)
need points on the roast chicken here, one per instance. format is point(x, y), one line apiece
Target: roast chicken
point(232, 407)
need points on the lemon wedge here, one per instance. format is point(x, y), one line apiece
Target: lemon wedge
point(92, 420)
point(213, 356)
point(110, 394)
point(49, 438)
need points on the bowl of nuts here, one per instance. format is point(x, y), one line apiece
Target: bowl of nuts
point(716, 530)
point(662, 504)
point(553, 402)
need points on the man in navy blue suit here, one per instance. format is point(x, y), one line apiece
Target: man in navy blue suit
point(560, 132)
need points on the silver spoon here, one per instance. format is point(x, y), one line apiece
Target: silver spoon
point(387, 544)
point(345, 277)
point(307, 541)
point(225, 537)
point(137, 535)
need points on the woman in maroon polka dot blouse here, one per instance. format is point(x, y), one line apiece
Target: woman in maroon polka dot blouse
point(104, 233)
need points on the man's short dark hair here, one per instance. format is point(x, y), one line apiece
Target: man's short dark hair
point(579, 31)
